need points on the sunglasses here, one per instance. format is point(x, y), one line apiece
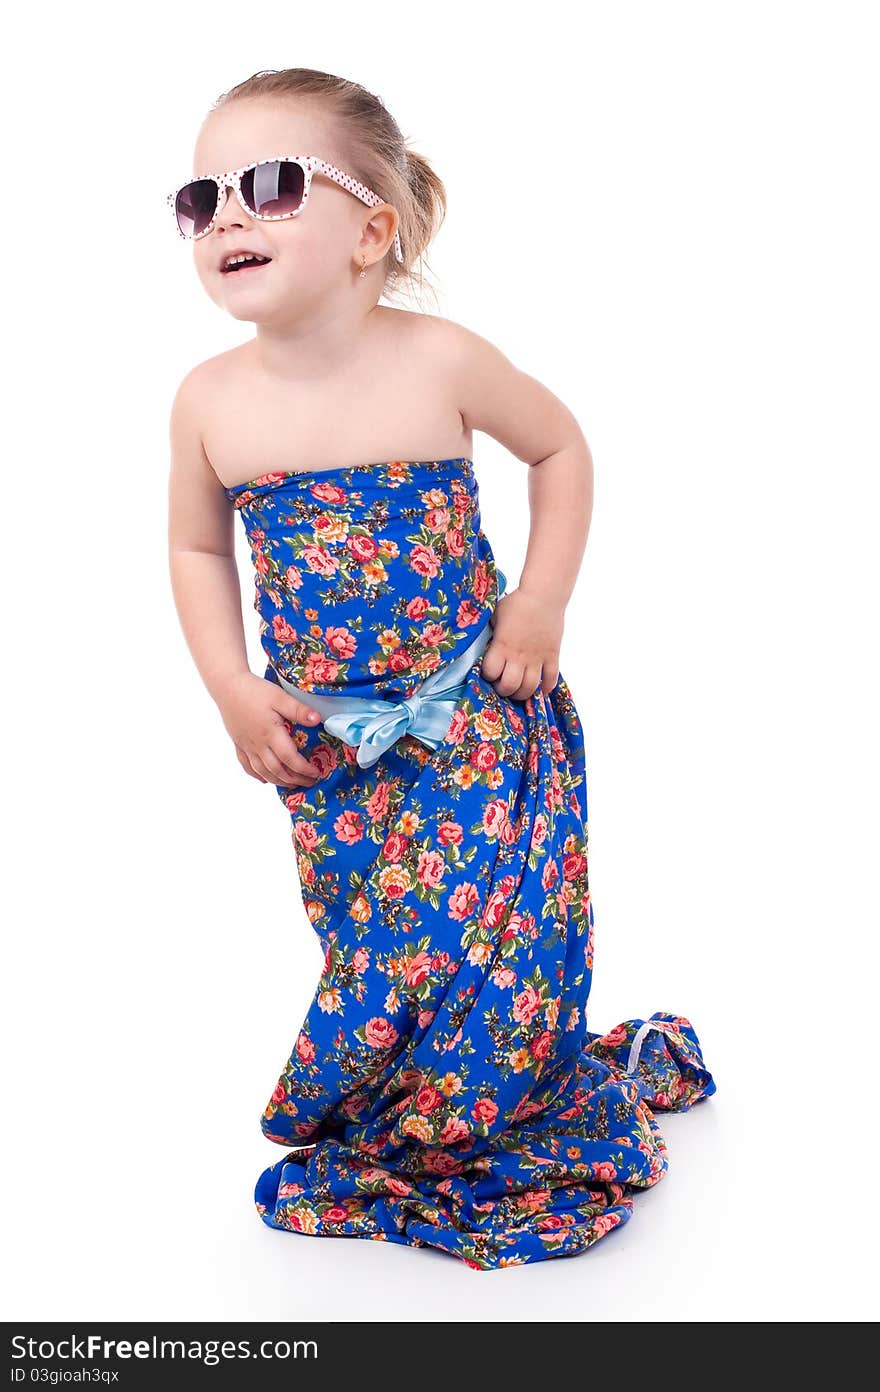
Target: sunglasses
point(270, 190)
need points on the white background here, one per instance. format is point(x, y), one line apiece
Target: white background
point(691, 265)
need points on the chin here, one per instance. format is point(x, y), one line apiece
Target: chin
point(243, 315)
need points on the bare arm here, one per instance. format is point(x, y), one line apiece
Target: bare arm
point(204, 576)
point(207, 595)
point(537, 427)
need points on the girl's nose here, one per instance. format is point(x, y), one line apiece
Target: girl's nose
point(230, 209)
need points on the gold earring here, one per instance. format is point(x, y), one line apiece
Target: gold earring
point(363, 270)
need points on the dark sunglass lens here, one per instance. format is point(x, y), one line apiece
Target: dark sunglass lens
point(273, 188)
point(196, 205)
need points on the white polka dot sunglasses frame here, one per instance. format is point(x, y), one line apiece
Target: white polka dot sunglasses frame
point(309, 164)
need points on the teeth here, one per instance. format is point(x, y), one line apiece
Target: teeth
point(244, 256)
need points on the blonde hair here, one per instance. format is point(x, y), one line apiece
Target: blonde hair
point(374, 151)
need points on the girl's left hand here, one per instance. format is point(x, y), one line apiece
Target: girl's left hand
point(524, 648)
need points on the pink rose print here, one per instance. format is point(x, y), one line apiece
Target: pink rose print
point(377, 804)
point(363, 548)
point(541, 1046)
point(462, 901)
point(328, 493)
point(615, 1036)
point(454, 1131)
point(395, 846)
point(496, 907)
point(603, 1169)
point(573, 866)
point(484, 757)
point(455, 541)
point(482, 583)
point(437, 519)
point(494, 816)
point(380, 1033)
point(341, 642)
point(282, 631)
point(349, 828)
point(434, 634)
point(424, 561)
point(417, 969)
point(430, 868)
point(449, 833)
point(486, 1110)
point(399, 661)
point(306, 835)
point(318, 559)
point(428, 1099)
point(321, 671)
point(457, 729)
point(526, 1006)
point(539, 830)
point(325, 760)
point(466, 615)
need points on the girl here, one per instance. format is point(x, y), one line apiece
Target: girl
point(444, 1088)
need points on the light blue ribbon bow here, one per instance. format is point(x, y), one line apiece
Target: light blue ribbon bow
point(375, 725)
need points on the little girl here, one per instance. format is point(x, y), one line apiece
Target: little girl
point(444, 1089)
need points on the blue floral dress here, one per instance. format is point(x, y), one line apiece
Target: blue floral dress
point(444, 1089)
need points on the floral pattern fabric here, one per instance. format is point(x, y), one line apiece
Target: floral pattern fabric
point(444, 1089)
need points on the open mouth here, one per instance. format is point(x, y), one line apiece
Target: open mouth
point(249, 263)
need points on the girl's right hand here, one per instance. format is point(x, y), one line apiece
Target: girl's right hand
point(254, 712)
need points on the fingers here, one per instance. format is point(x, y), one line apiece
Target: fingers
point(271, 769)
point(277, 760)
point(530, 682)
point(280, 756)
point(502, 669)
point(260, 769)
point(269, 752)
point(295, 710)
point(510, 675)
point(246, 765)
point(515, 677)
point(511, 680)
point(284, 758)
point(493, 661)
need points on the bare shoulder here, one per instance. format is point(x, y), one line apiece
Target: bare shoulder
point(197, 390)
point(431, 333)
point(456, 354)
point(467, 356)
point(495, 396)
point(190, 411)
point(205, 376)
